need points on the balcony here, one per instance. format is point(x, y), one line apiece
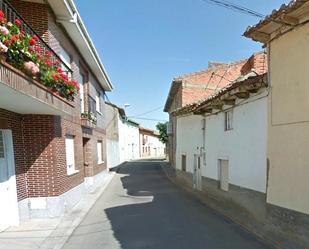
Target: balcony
point(33, 78)
point(89, 118)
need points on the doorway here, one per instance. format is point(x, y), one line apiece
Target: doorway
point(197, 174)
point(8, 194)
point(223, 175)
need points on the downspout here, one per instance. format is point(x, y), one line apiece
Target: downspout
point(203, 149)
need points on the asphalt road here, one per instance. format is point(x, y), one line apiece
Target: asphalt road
point(142, 209)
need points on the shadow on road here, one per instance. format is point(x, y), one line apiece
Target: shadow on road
point(163, 216)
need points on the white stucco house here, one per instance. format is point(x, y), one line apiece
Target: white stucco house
point(224, 138)
point(122, 134)
point(128, 140)
point(150, 144)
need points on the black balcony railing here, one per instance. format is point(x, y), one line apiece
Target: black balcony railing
point(12, 15)
point(90, 113)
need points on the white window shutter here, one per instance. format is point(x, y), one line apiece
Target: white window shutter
point(70, 156)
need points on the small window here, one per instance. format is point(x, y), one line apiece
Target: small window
point(99, 152)
point(66, 58)
point(70, 155)
point(1, 145)
point(184, 163)
point(228, 120)
point(81, 81)
point(98, 102)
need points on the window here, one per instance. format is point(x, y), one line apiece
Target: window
point(228, 120)
point(1, 145)
point(70, 156)
point(81, 81)
point(98, 102)
point(100, 152)
point(92, 105)
point(184, 162)
point(66, 58)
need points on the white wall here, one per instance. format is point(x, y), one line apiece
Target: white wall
point(244, 146)
point(157, 148)
point(128, 141)
point(189, 139)
point(113, 153)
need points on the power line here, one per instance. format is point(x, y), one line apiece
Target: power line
point(142, 114)
point(235, 7)
point(151, 119)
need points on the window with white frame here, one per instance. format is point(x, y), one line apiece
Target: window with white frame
point(81, 82)
point(99, 152)
point(228, 120)
point(70, 155)
point(66, 58)
point(98, 102)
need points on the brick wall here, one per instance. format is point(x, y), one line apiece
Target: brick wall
point(13, 122)
point(39, 140)
point(38, 135)
point(66, 182)
point(37, 17)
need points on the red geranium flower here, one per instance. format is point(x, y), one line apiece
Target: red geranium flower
point(56, 76)
point(31, 49)
point(23, 32)
point(64, 77)
point(48, 53)
point(2, 15)
point(59, 70)
point(18, 22)
point(38, 56)
point(38, 49)
point(32, 41)
point(35, 38)
point(7, 42)
point(48, 62)
point(17, 37)
point(57, 62)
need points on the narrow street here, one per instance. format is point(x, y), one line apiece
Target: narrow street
point(142, 209)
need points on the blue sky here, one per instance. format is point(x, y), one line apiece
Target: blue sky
point(144, 44)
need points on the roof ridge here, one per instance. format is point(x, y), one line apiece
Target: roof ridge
point(228, 64)
point(219, 91)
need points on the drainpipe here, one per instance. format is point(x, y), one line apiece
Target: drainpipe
point(203, 149)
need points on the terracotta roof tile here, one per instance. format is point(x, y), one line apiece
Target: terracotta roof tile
point(200, 85)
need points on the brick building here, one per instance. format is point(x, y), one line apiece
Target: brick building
point(198, 86)
point(51, 147)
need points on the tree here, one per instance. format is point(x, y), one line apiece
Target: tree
point(162, 128)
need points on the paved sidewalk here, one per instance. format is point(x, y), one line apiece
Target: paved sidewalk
point(52, 233)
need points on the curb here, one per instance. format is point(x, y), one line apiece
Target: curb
point(71, 220)
point(264, 239)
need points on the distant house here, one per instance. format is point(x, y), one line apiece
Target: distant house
point(129, 139)
point(122, 136)
point(216, 145)
point(150, 144)
point(196, 86)
point(114, 115)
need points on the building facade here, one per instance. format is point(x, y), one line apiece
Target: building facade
point(128, 140)
point(216, 145)
point(114, 115)
point(288, 104)
point(196, 86)
point(150, 144)
point(52, 143)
